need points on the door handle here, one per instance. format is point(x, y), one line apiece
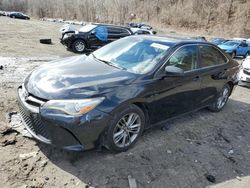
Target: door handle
point(196, 78)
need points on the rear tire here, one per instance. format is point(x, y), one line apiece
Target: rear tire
point(125, 129)
point(221, 99)
point(247, 54)
point(79, 46)
point(233, 55)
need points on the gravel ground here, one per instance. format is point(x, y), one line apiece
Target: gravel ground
point(186, 153)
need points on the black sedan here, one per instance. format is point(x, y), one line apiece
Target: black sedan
point(19, 15)
point(109, 97)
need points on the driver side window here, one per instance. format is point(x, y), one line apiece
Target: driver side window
point(184, 58)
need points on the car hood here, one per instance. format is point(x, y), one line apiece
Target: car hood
point(226, 47)
point(75, 77)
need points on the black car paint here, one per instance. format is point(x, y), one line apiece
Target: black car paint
point(19, 15)
point(90, 40)
point(160, 96)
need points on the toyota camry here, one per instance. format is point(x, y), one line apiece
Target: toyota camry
point(111, 96)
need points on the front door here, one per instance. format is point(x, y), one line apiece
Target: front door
point(177, 95)
point(98, 37)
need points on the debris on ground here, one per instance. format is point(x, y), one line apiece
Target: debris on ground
point(132, 182)
point(7, 135)
point(210, 178)
point(169, 151)
point(5, 130)
point(164, 128)
point(16, 124)
point(46, 41)
point(23, 186)
point(27, 155)
point(8, 140)
point(1, 67)
point(43, 163)
point(221, 135)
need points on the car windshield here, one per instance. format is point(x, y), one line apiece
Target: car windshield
point(231, 43)
point(87, 28)
point(135, 55)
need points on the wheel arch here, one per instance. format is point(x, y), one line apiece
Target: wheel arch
point(145, 110)
point(79, 38)
point(231, 85)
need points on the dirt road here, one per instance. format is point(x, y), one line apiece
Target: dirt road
point(182, 155)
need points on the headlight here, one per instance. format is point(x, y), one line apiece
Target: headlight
point(68, 35)
point(73, 107)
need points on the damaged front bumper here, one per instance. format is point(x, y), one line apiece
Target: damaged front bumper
point(67, 132)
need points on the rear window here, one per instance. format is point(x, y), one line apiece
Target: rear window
point(211, 56)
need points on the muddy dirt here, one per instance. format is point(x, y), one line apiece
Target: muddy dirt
point(183, 154)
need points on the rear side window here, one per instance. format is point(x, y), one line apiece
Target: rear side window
point(184, 58)
point(210, 56)
point(115, 30)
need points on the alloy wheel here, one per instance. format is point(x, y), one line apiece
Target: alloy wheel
point(80, 46)
point(223, 98)
point(127, 130)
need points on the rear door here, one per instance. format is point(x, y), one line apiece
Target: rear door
point(213, 70)
point(177, 95)
point(115, 33)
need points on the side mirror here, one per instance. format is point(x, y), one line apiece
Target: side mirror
point(93, 32)
point(174, 71)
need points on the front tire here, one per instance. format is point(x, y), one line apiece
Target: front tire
point(79, 46)
point(221, 99)
point(125, 129)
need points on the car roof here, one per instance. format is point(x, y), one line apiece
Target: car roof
point(113, 25)
point(171, 41)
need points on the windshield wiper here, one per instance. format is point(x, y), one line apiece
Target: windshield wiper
point(108, 63)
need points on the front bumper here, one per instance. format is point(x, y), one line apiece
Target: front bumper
point(66, 40)
point(244, 75)
point(67, 132)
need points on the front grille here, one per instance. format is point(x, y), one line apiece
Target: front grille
point(33, 121)
point(246, 72)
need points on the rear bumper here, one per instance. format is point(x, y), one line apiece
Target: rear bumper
point(67, 132)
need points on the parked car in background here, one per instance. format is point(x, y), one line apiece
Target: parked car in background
point(93, 36)
point(218, 41)
point(139, 31)
point(236, 48)
point(240, 39)
point(111, 96)
point(199, 38)
point(245, 72)
point(19, 15)
point(140, 25)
